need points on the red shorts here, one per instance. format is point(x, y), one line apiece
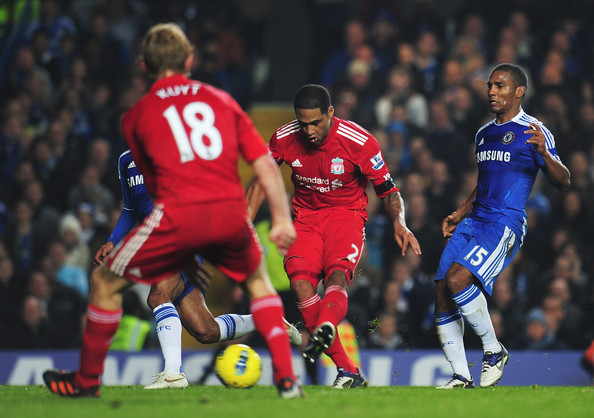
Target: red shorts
point(326, 240)
point(171, 235)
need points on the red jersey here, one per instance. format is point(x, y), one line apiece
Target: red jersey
point(335, 173)
point(186, 138)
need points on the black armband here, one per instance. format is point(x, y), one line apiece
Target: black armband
point(385, 187)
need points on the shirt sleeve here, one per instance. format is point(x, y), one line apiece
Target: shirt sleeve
point(273, 149)
point(251, 144)
point(373, 166)
point(129, 217)
point(126, 222)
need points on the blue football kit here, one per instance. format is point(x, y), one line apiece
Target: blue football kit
point(137, 206)
point(493, 232)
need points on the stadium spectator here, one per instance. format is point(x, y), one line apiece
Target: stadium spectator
point(428, 64)
point(425, 229)
point(70, 275)
point(386, 335)
point(12, 289)
point(23, 239)
point(77, 251)
point(63, 306)
point(90, 190)
point(537, 335)
point(355, 35)
point(45, 217)
point(103, 53)
point(400, 89)
point(440, 191)
point(53, 21)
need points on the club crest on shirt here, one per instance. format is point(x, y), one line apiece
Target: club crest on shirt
point(377, 161)
point(337, 166)
point(508, 137)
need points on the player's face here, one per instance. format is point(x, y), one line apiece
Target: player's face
point(314, 124)
point(504, 97)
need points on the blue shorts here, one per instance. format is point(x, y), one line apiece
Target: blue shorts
point(484, 248)
point(188, 287)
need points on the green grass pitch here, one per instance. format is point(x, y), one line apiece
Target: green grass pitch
point(320, 401)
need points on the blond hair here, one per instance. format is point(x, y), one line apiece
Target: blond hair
point(165, 47)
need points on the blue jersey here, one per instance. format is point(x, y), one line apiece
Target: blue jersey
point(507, 170)
point(137, 202)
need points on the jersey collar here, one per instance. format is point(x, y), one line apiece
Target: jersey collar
point(516, 118)
point(167, 81)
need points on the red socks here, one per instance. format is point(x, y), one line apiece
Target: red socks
point(99, 331)
point(310, 310)
point(332, 308)
point(268, 317)
point(334, 305)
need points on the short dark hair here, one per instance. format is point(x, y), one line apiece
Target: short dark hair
point(312, 96)
point(518, 74)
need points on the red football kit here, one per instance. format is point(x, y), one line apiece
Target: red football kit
point(186, 138)
point(330, 202)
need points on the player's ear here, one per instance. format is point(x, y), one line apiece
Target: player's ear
point(189, 62)
point(330, 112)
point(143, 66)
point(520, 91)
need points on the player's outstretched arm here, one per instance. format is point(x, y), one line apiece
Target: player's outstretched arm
point(558, 175)
point(125, 223)
point(282, 232)
point(394, 206)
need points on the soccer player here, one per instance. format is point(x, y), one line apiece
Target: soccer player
point(186, 138)
point(332, 161)
point(175, 297)
point(487, 230)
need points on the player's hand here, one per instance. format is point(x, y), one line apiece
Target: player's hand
point(404, 237)
point(449, 224)
point(103, 252)
point(283, 234)
point(202, 276)
point(537, 139)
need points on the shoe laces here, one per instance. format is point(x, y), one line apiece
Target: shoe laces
point(345, 373)
point(490, 359)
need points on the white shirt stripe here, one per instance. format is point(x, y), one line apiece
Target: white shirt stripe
point(288, 129)
point(351, 134)
point(125, 254)
point(492, 266)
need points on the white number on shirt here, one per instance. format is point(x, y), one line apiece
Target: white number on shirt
point(200, 128)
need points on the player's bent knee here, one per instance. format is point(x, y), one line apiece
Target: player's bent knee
point(209, 335)
point(104, 284)
point(156, 298)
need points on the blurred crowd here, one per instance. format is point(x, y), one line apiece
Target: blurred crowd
point(411, 72)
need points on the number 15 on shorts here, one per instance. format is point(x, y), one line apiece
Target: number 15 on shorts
point(476, 255)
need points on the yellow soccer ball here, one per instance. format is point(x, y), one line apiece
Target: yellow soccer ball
point(239, 366)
